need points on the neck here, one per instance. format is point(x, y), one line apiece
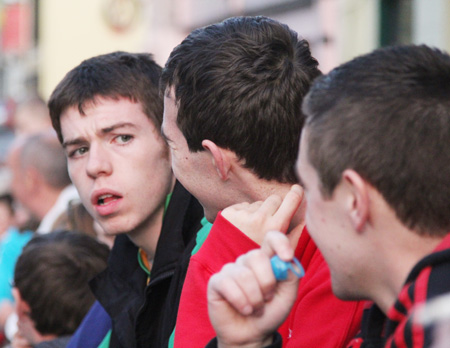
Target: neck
point(260, 190)
point(252, 189)
point(393, 268)
point(34, 337)
point(146, 236)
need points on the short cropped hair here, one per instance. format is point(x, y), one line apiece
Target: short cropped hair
point(134, 76)
point(43, 152)
point(52, 275)
point(240, 83)
point(387, 116)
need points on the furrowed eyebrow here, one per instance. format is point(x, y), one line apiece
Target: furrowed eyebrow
point(107, 130)
point(76, 141)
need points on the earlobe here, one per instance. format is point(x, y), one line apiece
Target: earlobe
point(220, 159)
point(359, 204)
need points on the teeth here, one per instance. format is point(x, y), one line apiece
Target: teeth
point(105, 196)
point(101, 199)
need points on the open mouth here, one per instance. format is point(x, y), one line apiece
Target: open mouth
point(106, 199)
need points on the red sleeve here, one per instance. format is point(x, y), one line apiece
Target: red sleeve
point(318, 318)
point(223, 245)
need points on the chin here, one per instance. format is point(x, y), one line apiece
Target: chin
point(345, 294)
point(113, 229)
point(210, 216)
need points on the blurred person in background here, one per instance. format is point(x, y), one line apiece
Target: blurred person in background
point(31, 117)
point(51, 288)
point(12, 240)
point(40, 181)
point(77, 218)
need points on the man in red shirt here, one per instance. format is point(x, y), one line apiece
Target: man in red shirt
point(232, 120)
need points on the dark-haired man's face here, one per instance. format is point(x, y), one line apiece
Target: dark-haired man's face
point(193, 169)
point(118, 163)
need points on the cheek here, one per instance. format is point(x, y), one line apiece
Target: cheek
point(315, 226)
point(73, 171)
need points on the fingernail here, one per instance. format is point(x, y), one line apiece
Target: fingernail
point(297, 189)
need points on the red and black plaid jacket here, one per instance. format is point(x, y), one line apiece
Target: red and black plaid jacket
point(428, 279)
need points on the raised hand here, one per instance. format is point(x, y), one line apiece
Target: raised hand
point(274, 214)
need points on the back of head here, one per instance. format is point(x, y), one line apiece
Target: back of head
point(43, 152)
point(240, 84)
point(387, 116)
point(32, 116)
point(52, 276)
point(134, 76)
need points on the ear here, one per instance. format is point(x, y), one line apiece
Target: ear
point(359, 198)
point(220, 158)
point(22, 307)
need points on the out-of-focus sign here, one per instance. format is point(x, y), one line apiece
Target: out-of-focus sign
point(16, 33)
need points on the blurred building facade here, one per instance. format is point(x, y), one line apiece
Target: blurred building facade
point(42, 39)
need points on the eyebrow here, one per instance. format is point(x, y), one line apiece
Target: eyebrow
point(103, 131)
point(107, 130)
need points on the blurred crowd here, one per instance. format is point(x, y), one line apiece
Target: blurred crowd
point(36, 197)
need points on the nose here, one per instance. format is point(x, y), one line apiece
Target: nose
point(99, 163)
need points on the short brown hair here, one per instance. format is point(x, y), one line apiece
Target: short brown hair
point(134, 76)
point(240, 83)
point(387, 116)
point(52, 275)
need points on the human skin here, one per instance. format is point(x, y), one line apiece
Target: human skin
point(120, 167)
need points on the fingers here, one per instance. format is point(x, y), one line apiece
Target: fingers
point(238, 286)
point(277, 243)
point(270, 205)
point(246, 284)
point(259, 263)
point(240, 208)
point(288, 207)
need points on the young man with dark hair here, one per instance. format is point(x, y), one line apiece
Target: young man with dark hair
point(374, 164)
point(232, 120)
point(107, 113)
point(51, 288)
